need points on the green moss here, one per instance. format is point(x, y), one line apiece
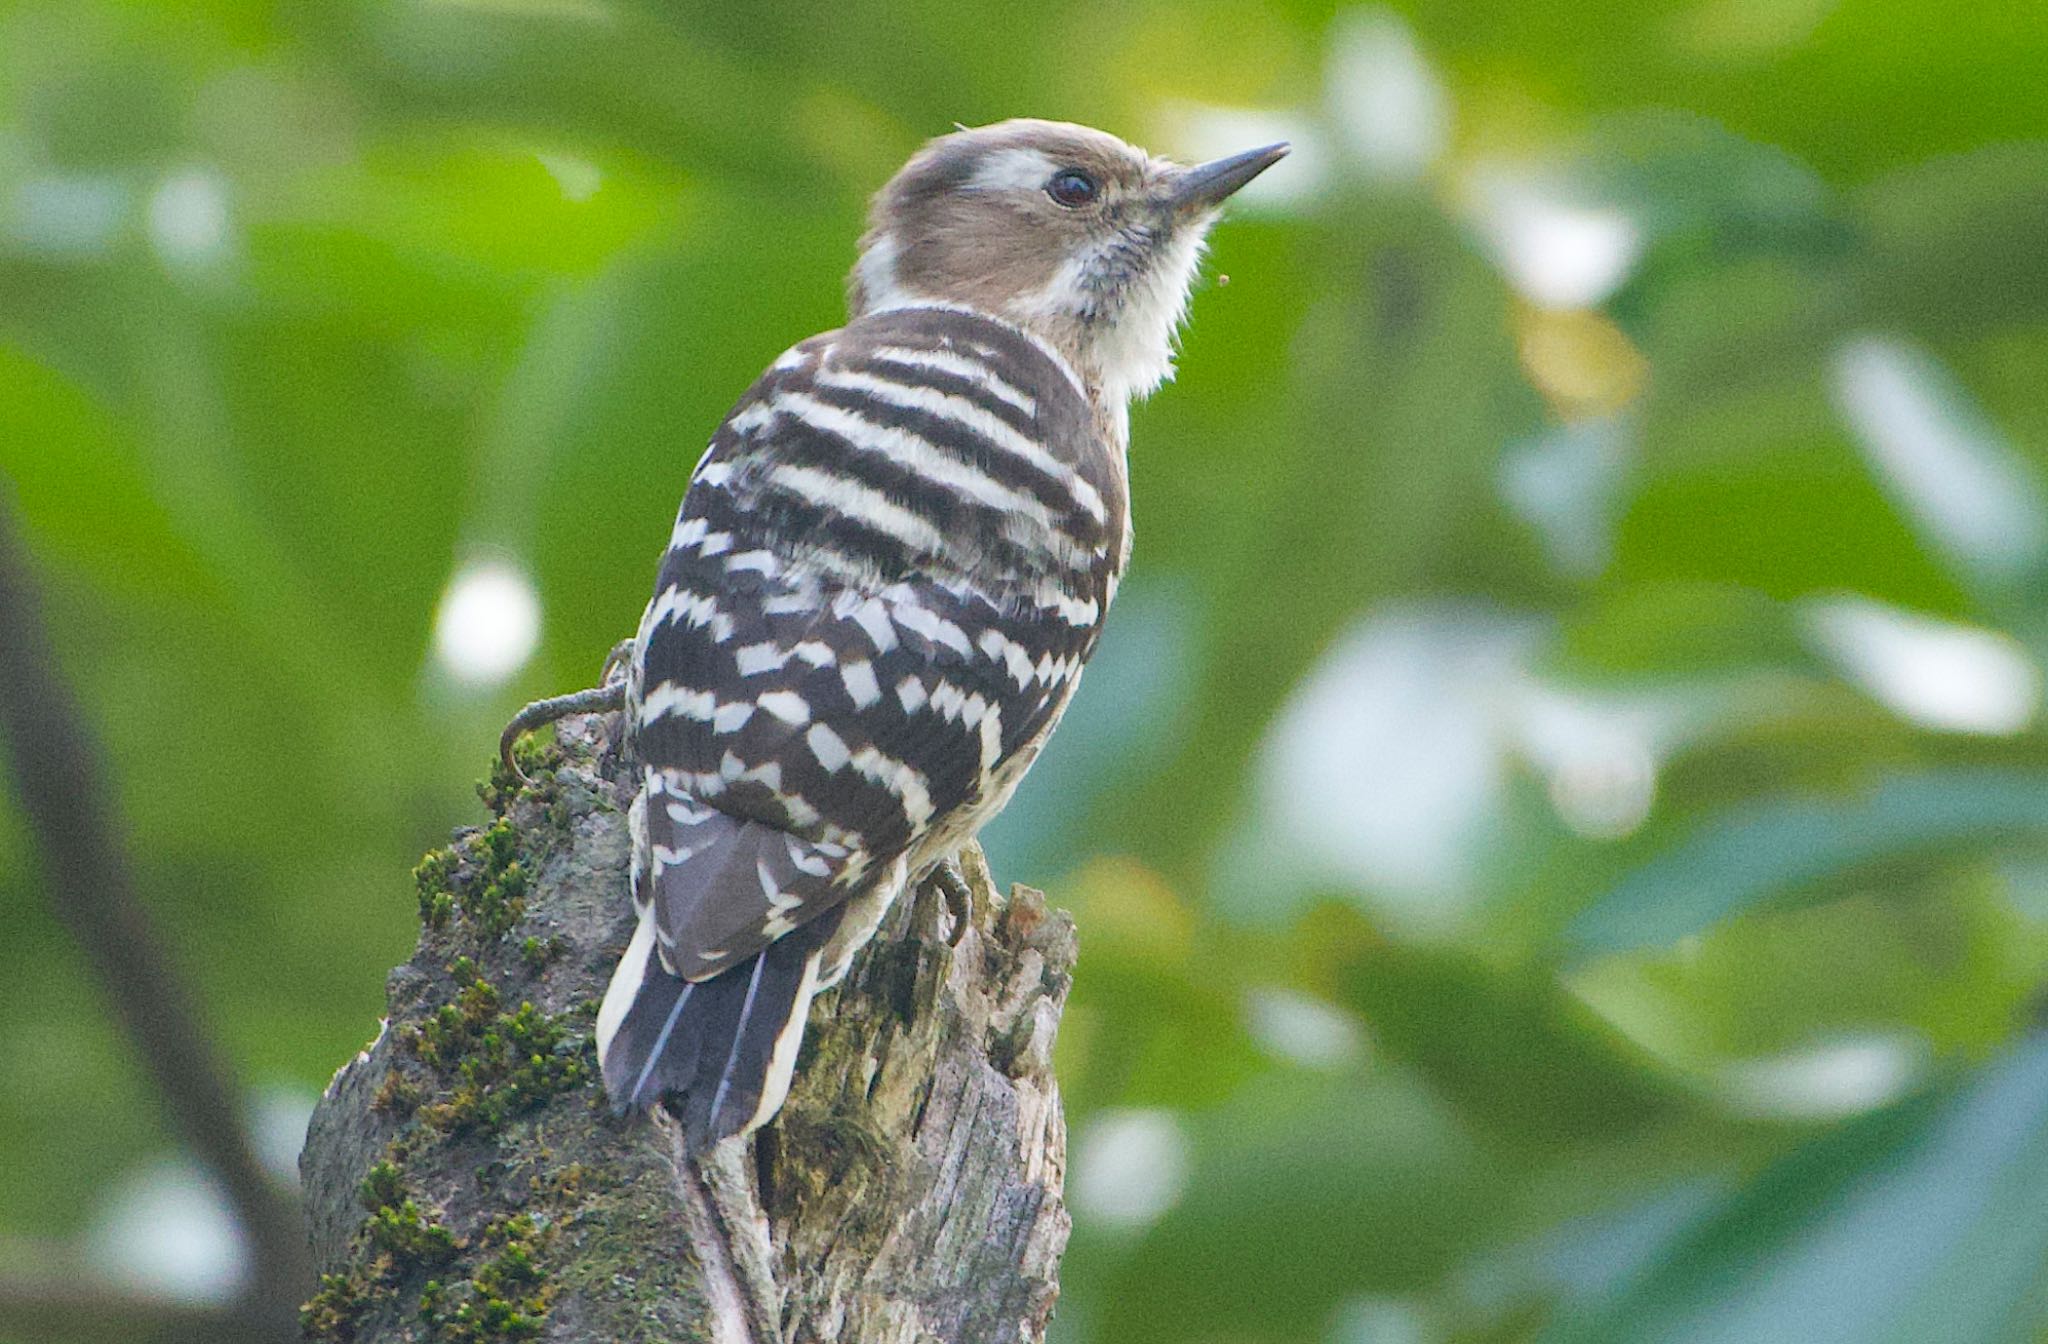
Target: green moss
point(470, 1058)
point(435, 880)
point(844, 1163)
point(506, 1299)
point(410, 1237)
point(912, 976)
point(564, 1185)
point(495, 1064)
point(397, 1095)
point(495, 898)
point(608, 1213)
point(539, 755)
point(397, 1240)
point(501, 1063)
point(481, 874)
point(332, 1314)
point(382, 1188)
point(454, 1028)
point(539, 954)
point(397, 1226)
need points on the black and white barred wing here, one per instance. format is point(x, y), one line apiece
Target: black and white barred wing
point(722, 887)
point(878, 596)
point(880, 590)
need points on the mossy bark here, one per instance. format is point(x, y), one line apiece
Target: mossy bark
point(466, 1182)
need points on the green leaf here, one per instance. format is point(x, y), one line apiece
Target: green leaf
point(1926, 1223)
point(1764, 851)
point(1303, 1189)
point(77, 478)
point(1513, 1051)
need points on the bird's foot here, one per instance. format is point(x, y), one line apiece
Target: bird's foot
point(608, 695)
point(616, 662)
point(947, 880)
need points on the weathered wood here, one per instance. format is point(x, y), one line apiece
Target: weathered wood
point(465, 1180)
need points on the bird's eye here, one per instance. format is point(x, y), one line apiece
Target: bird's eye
point(1072, 188)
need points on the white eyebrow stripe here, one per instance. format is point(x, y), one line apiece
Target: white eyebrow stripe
point(1012, 168)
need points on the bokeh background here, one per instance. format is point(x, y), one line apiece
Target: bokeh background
point(1559, 823)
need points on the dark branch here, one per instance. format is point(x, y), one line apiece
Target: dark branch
point(46, 1294)
point(65, 801)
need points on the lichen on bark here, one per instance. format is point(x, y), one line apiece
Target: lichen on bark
point(466, 1182)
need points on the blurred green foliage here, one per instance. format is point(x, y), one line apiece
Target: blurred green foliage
point(1565, 782)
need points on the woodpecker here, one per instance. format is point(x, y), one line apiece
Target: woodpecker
point(885, 577)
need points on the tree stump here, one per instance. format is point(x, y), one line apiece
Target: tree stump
point(466, 1181)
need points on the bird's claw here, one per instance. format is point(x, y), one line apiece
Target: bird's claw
point(959, 897)
point(616, 662)
point(608, 695)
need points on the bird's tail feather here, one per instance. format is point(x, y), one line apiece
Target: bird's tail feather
point(720, 1050)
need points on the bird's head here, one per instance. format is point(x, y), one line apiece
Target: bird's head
point(1068, 232)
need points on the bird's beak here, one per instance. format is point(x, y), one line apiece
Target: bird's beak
point(1206, 185)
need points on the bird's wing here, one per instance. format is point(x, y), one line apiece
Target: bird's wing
point(880, 590)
